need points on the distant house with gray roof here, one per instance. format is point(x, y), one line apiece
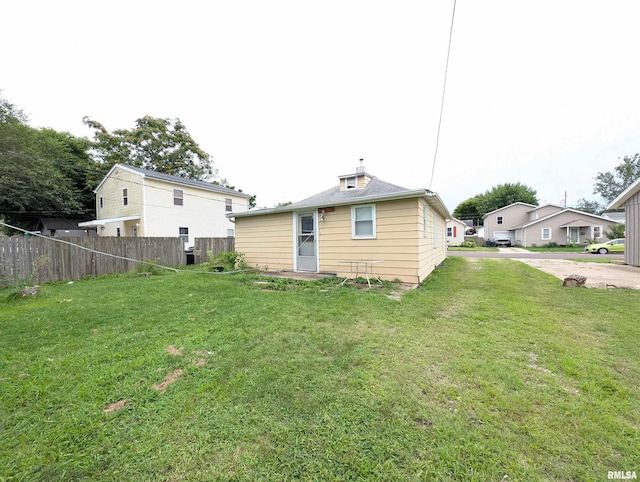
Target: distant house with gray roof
point(361, 218)
point(136, 202)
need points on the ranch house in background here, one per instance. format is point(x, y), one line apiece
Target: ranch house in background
point(361, 218)
point(522, 224)
point(456, 230)
point(137, 202)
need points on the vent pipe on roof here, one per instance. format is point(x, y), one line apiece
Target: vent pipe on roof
point(361, 167)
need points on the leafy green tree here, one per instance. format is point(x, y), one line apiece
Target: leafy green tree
point(495, 198)
point(504, 194)
point(162, 145)
point(615, 231)
point(42, 172)
point(592, 207)
point(610, 184)
point(470, 209)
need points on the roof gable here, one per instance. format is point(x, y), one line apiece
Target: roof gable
point(519, 203)
point(567, 210)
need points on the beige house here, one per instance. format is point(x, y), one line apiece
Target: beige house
point(629, 199)
point(522, 224)
point(137, 202)
point(362, 218)
point(455, 232)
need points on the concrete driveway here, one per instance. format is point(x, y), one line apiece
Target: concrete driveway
point(599, 275)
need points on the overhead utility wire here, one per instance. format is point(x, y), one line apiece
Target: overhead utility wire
point(444, 86)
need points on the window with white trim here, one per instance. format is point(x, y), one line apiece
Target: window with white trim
point(228, 204)
point(230, 233)
point(350, 183)
point(435, 229)
point(125, 197)
point(178, 197)
point(449, 232)
point(183, 234)
point(363, 221)
point(596, 232)
point(499, 220)
point(545, 234)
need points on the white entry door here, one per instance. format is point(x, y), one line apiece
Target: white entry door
point(306, 252)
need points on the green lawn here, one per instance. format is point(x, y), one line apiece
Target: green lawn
point(490, 369)
point(575, 249)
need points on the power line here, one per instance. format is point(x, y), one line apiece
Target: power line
point(444, 86)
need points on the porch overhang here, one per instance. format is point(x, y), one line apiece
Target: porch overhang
point(102, 222)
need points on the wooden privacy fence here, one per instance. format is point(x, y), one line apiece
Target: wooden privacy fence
point(43, 260)
point(216, 245)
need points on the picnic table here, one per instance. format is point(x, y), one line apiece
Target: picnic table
point(363, 267)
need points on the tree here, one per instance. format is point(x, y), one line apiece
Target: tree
point(42, 172)
point(615, 231)
point(470, 209)
point(610, 184)
point(162, 145)
point(495, 198)
point(592, 207)
point(505, 194)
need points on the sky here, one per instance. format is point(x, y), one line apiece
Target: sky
point(287, 95)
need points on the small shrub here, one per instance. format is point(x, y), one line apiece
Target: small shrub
point(468, 244)
point(615, 231)
point(228, 260)
point(150, 267)
point(552, 244)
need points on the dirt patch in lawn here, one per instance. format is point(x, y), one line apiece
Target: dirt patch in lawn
point(172, 350)
point(168, 380)
point(114, 407)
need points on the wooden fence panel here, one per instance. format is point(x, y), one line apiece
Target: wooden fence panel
point(42, 260)
point(216, 245)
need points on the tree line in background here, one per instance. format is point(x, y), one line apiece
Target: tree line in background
point(46, 173)
point(608, 185)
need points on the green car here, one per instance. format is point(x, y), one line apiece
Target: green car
point(613, 246)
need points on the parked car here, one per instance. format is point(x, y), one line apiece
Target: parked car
point(613, 246)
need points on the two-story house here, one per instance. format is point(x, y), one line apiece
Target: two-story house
point(131, 201)
point(523, 224)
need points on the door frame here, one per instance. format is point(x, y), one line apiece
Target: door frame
point(296, 217)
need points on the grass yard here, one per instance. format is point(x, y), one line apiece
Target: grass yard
point(491, 369)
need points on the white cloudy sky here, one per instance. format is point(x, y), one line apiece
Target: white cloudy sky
point(288, 94)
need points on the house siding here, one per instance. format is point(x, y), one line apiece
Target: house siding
point(203, 212)
point(511, 216)
point(432, 252)
point(266, 241)
point(632, 227)
point(396, 241)
point(111, 193)
point(532, 235)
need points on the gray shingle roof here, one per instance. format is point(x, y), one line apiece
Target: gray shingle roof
point(376, 187)
point(185, 182)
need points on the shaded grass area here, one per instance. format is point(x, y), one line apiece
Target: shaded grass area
point(489, 369)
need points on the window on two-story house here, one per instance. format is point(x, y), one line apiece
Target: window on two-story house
point(178, 197)
point(183, 233)
point(363, 221)
point(545, 234)
point(499, 220)
point(125, 197)
point(228, 204)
